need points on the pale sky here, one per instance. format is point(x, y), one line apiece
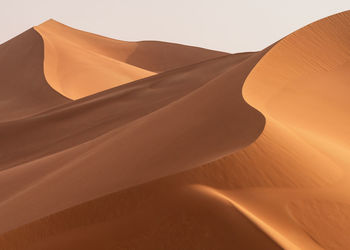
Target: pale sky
point(226, 25)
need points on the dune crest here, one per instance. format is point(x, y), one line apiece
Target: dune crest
point(77, 69)
point(78, 64)
point(301, 83)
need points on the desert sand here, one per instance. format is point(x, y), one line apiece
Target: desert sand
point(109, 144)
point(78, 64)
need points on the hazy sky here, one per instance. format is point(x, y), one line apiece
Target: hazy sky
point(227, 25)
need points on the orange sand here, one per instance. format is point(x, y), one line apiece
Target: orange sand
point(78, 64)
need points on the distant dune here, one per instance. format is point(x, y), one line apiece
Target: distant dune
point(108, 144)
point(78, 64)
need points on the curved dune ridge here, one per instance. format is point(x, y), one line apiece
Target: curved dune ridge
point(78, 64)
point(23, 89)
point(169, 146)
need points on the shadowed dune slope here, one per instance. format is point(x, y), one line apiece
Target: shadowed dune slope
point(82, 151)
point(157, 215)
point(71, 124)
point(23, 88)
point(177, 135)
point(78, 64)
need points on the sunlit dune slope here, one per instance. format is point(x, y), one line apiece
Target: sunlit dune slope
point(76, 70)
point(79, 64)
point(301, 87)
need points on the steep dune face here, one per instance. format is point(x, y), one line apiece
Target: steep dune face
point(76, 69)
point(23, 88)
point(78, 64)
point(302, 85)
point(308, 90)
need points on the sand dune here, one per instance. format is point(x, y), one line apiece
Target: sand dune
point(23, 89)
point(78, 64)
point(185, 151)
point(301, 84)
point(175, 147)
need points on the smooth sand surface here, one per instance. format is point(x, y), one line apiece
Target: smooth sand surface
point(243, 151)
point(23, 88)
point(302, 86)
point(78, 64)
